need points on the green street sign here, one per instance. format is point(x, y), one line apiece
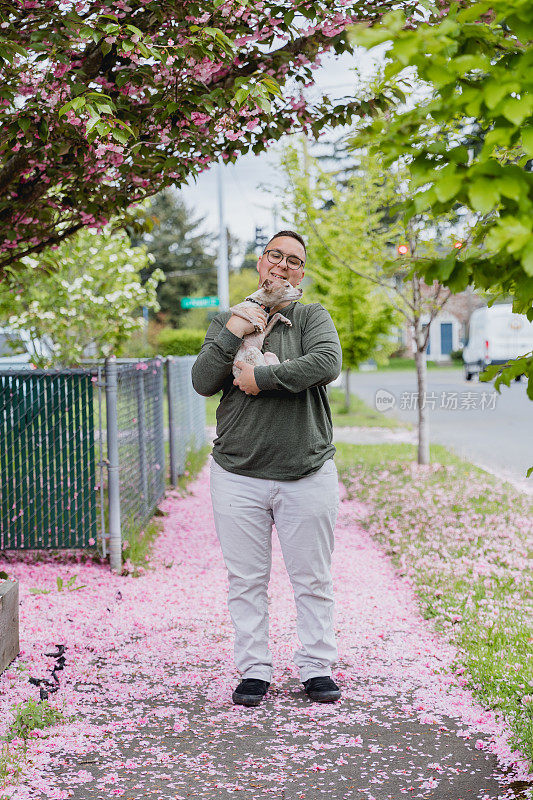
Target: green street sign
point(199, 302)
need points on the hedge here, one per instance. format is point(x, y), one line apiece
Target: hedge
point(180, 342)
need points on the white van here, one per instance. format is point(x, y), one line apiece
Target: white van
point(495, 335)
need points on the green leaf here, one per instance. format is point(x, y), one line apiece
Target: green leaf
point(368, 37)
point(445, 266)
point(94, 120)
point(497, 237)
point(527, 140)
point(43, 129)
point(439, 74)
point(288, 18)
point(448, 186)
point(517, 109)
point(474, 11)
point(458, 281)
point(272, 86)
point(522, 27)
point(519, 232)
point(483, 195)
point(424, 200)
point(459, 155)
point(405, 49)
point(74, 104)
point(526, 258)
point(499, 136)
point(510, 187)
point(494, 91)
point(119, 135)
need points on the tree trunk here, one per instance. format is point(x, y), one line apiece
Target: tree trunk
point(347, 396)
point(423, 422)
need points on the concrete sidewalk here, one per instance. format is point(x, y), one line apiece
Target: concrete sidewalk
point(156, 717)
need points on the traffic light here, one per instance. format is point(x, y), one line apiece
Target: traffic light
point(261, 239)
point(403, 249)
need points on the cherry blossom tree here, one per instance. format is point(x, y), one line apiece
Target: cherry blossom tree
point(102, 104)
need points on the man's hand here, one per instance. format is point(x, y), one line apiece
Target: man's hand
point(240, 327)
point(246, 380)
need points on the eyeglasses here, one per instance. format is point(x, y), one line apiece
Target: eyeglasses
point(276, 257)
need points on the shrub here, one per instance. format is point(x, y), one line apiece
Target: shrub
point(180, 342)
point(457, 355)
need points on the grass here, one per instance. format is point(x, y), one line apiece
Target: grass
point(409, 364)
point(360, 414)
point(211, 404)
point(29, 716)
point(464, 539)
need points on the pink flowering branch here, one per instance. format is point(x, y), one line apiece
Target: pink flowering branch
point(104, 103)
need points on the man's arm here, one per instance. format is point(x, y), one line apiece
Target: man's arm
point(220, 347)
point(320, 364)
point(215, 359)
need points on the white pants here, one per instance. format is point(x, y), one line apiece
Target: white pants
point(304, 512)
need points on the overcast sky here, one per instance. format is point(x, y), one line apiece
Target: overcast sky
point(246, 203)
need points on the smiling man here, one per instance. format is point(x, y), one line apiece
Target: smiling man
point(272, 462)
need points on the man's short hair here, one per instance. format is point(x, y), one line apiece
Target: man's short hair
point(289, 233)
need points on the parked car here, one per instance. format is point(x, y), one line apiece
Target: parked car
point(495, 335)
point(17, 348)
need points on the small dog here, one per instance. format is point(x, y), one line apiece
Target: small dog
point(269, 295)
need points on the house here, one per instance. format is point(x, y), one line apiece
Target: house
point(448, 329)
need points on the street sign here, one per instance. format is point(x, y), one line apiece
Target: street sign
point(199, 302)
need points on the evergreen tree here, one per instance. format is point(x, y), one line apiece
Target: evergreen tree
point(178, 245)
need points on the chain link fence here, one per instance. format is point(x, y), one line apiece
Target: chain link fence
point(48, 491)
point(54, 493)
point(186, 413)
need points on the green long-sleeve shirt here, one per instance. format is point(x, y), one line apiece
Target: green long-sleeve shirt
point(285, 432)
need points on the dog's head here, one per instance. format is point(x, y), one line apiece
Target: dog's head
point(276, 290)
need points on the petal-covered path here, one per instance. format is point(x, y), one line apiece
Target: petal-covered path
point(150, 673)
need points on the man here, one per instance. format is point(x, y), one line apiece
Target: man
point(273, 462)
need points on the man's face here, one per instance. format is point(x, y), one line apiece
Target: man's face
point(289, 247)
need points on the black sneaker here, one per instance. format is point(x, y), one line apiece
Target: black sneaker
point(250, 692)
point(322, 689)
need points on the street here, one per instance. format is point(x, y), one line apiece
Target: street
point(492, 430)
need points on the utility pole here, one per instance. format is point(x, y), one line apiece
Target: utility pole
point(222, 264)
point(145, 326)
point(275, 218)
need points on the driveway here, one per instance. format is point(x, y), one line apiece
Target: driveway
point(494, 431)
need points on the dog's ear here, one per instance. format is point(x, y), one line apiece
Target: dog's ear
point(267, 283)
